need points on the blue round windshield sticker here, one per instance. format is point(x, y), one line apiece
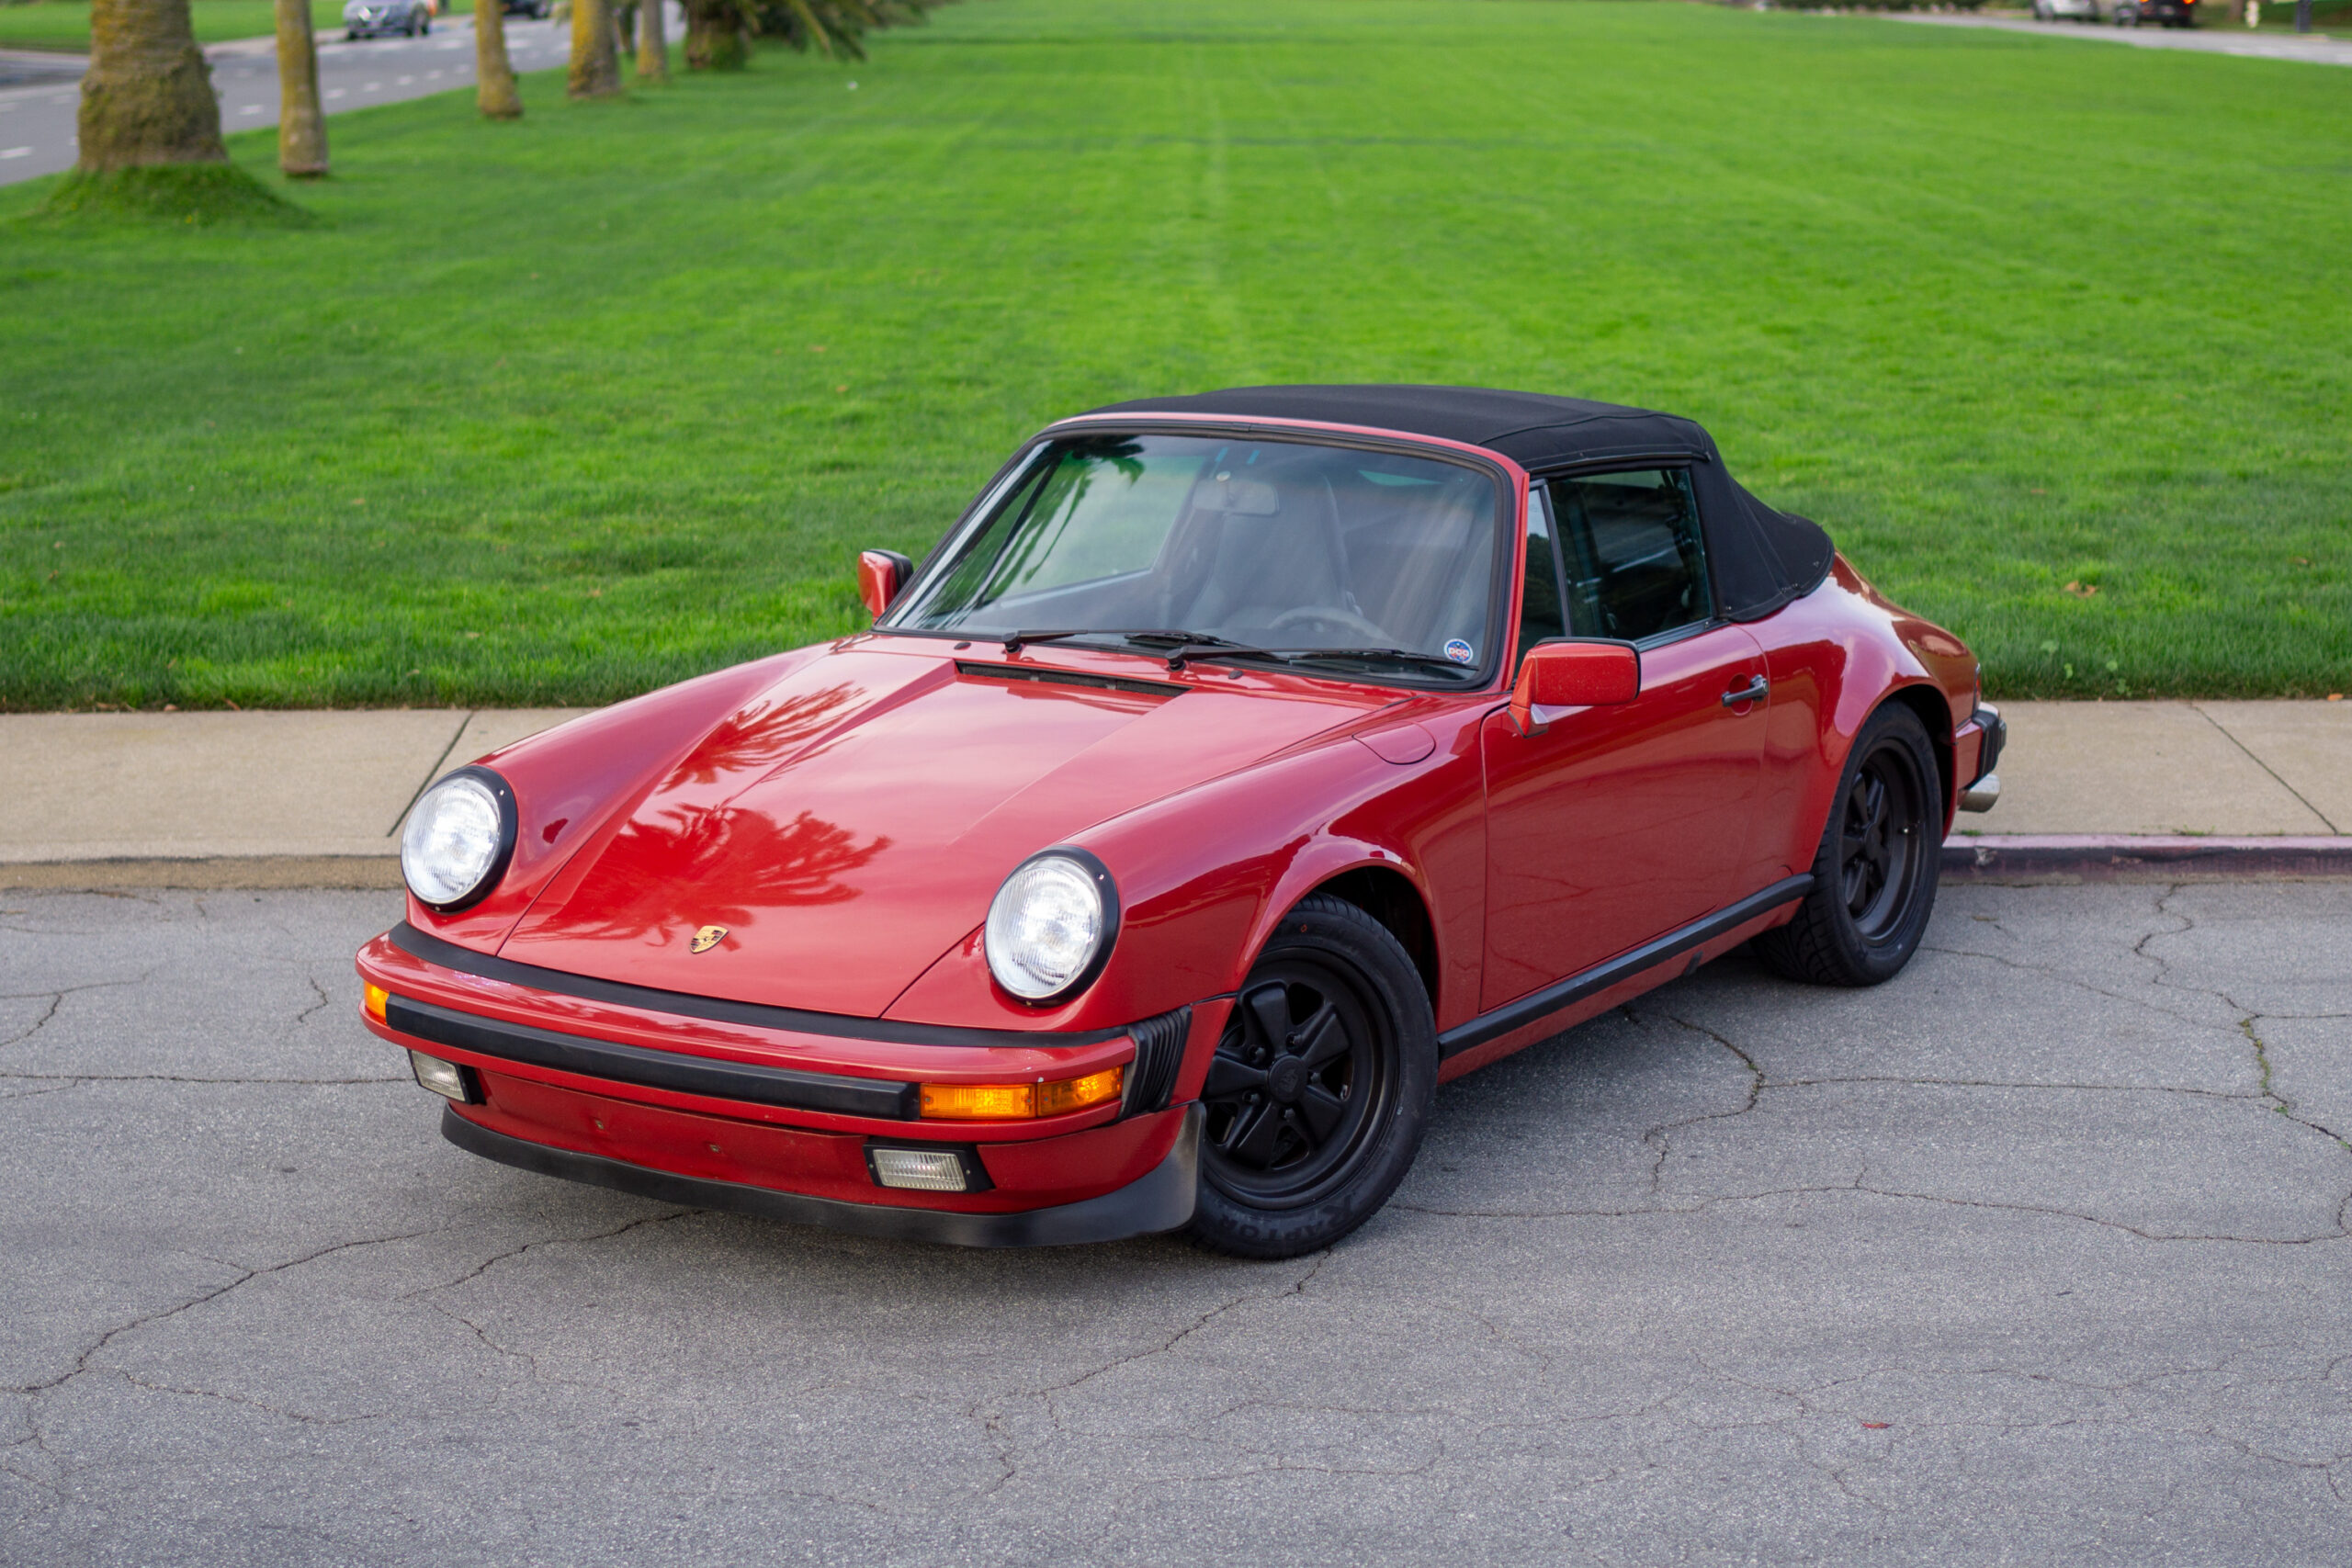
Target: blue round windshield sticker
point(1459, 652)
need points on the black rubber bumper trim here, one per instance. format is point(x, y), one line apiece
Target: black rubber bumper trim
point(1537, 1005)
point(842, 1095)
point(1988, 750)
point(1159, 1200)
point(718, 1009)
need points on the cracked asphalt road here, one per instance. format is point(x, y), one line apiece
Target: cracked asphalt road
point(2037, 1255)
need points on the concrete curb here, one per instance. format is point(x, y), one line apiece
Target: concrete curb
point(2114, 857)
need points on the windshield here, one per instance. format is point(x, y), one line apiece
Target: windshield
point(1288, 546)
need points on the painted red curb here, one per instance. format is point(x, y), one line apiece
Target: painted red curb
point(2115, 857)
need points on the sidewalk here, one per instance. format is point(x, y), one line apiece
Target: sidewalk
point(2215, 37)
point(316, 798)
point(228, 799)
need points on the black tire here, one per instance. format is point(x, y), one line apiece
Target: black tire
point(1874, 876)
point(1321, 1087)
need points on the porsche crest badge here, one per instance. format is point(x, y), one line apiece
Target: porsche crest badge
point(706, 939)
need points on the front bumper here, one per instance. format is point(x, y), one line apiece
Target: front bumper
point(1159, 1200)
point(758, 1111)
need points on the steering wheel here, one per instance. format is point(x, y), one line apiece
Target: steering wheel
point(1331, 615)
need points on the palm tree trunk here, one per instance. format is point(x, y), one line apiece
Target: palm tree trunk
point(301, 128)
point(147, 96)
point(596, 69)
point(494, 93)
point(652, 48)
point(715, 37)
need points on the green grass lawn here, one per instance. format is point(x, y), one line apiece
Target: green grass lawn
point(65, 24)
point(558, 411)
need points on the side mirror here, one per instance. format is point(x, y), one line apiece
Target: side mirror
point(1556, 675)
point(880, 575)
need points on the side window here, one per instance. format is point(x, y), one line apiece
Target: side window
point(1539, 608)
point(1636, 566)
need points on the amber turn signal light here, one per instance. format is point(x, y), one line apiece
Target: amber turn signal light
point(373, 998)
point(1020, 1101)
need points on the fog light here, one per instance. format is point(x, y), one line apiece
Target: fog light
point(445, 1078)
point(926, 1170)
point(1019, 1101)
point(373, 997)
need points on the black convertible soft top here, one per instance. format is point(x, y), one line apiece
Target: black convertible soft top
point(1760, 558)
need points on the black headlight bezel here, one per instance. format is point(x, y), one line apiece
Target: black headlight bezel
point(1106, 887)
point(509, 827)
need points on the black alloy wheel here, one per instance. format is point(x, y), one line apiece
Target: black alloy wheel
point(1875, 875)
point(1319, 1092)
point(1879, 839)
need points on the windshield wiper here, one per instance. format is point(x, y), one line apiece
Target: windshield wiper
point(1014, 641)
point(1394, 655)
point(1182, 645)
point(1224, 648)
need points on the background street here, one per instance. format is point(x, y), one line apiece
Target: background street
point(37, 116)
point(2035, 1255)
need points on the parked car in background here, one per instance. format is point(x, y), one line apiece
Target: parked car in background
point(2122, 13)
point(536, 9)
point(372, 19)
point(1238, 768)
point(2155, 13)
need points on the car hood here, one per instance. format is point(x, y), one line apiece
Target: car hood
point(851, 822)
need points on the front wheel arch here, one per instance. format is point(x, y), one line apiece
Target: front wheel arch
point(1309, 1157)
point(1390, 898)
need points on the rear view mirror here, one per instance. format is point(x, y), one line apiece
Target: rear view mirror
point(1557, 675)
point(880, 575)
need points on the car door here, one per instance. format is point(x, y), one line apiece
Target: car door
point(1615, 825)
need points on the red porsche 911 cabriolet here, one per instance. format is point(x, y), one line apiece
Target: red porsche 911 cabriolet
point(1237, 769)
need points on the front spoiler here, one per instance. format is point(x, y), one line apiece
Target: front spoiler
point(1158, 1200)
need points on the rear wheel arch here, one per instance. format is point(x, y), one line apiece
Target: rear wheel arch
point(1935, 715)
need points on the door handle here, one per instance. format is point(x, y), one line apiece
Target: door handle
point(1753, 691)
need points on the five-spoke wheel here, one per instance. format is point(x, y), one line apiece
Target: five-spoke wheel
point(1320, 1088)
point(1875, 877)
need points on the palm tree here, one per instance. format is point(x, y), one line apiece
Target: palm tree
point(301, 128)
point(595, 64)
point(494, 93)
point(652, 48)
point(718, 31)
point(147, 97)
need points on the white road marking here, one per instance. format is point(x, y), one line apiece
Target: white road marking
point(373, 88)
point(430, 75)
point(250, 108)
point(16, 152)
point(404, 81)
point(335, 91)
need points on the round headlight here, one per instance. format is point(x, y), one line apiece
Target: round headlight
point(1052, 925)
point(458, 838)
